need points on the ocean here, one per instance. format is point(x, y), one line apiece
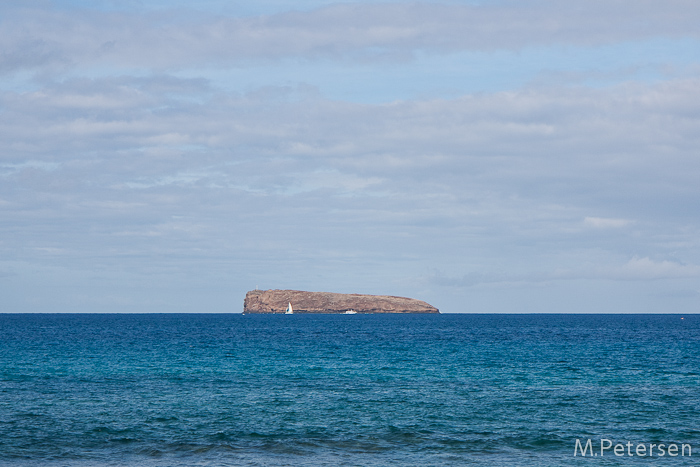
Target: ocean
point(348, 390)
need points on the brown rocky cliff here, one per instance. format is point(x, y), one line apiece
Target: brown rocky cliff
point(276, 301)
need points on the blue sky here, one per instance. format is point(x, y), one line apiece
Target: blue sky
point(530, 156)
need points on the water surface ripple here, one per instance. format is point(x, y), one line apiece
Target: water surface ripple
point(337, 390)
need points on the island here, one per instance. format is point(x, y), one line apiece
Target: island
point(297, 301)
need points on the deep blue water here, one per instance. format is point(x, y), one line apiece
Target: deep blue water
point(344, 390)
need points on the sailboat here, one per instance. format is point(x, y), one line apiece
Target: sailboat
point(290, 310)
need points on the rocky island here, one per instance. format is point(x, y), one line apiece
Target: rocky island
point(297, 301)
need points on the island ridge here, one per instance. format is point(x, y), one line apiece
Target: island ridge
point(278, 301)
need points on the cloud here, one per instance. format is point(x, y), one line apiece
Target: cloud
point(56, 40)
point(646, 268)
point(623, 149)
point(605, 223)
point(636, 269)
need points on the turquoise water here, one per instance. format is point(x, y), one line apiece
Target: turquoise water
point(336, 390)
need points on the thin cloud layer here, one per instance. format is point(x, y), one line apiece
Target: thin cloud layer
point(606, 223)
point(34, 39)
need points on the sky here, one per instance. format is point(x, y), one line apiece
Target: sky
point(531, 156)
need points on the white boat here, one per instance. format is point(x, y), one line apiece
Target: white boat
point(290, 310)
point(350, 312)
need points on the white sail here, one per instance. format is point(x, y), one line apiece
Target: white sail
point(290, 310)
